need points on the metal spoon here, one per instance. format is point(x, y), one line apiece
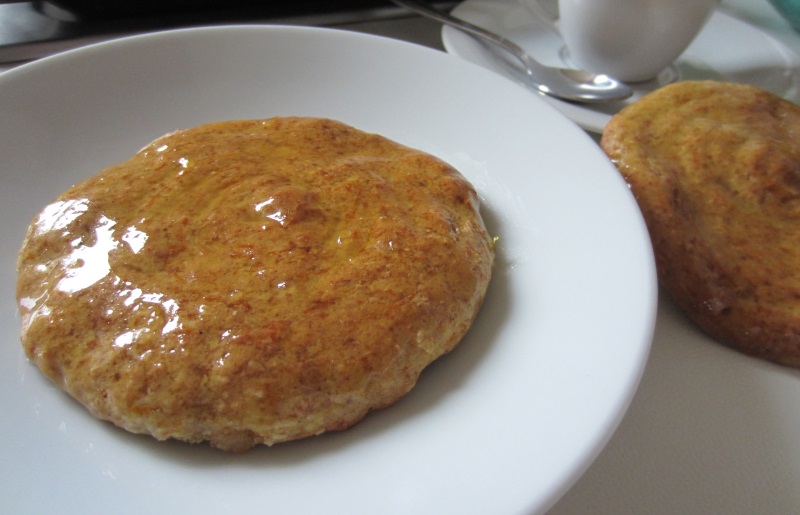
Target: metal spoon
point(564, 83)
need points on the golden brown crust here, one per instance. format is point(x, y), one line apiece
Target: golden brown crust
point(715, 168)
point(253, 281)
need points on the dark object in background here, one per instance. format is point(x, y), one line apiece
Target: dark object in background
point(37, 28)
point(107, 10)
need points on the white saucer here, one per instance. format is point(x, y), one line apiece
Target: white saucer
point(727, 49)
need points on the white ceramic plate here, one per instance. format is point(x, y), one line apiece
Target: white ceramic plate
point(726, 49)
point(502, 425)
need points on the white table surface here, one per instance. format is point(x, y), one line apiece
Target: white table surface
point(710, 431)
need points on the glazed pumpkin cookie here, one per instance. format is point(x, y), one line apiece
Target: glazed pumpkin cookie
point(252, 282)
point(715, 168)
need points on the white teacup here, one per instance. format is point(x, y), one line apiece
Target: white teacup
point(630, 40)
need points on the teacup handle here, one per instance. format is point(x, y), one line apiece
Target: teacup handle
point(542, 15)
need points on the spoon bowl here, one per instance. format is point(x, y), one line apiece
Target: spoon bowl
point(564, 83)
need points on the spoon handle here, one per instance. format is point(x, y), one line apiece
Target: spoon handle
point(531, 66)
point(563, 83)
